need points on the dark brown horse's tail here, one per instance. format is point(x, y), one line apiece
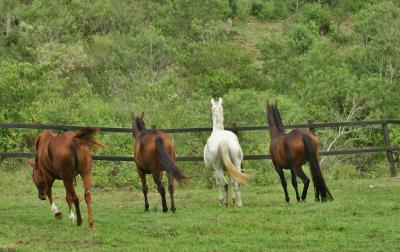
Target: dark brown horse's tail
point(167, 161)
point(316, 173)
point(86, 136)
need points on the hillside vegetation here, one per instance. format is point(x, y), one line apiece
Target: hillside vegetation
point(93, 62)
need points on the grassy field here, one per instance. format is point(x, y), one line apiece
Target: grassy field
point(363, 217)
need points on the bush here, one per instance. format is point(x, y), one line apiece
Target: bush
point(318, 14)
point(275, 10)
point(300, 38)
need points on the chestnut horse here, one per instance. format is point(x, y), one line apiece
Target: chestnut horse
point(154, 152)
point(62, 157)
point(291, 151)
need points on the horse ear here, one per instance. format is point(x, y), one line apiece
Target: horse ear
point(142, 115)
point(220, 100)
point(31, 162)
point(212, 101)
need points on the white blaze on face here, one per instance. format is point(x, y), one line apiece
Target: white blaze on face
point(71, 216)
point(54, 208)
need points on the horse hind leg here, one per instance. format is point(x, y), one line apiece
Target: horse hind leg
point(232, 183)
point(145, 189)
point(236, 185)
point(69, 200)
point(171, 191)
point(306, 181)
point(294, 183)
point(157, 177)
point(283, 182)
point(69, 186)
point(221, 182)
point(88, 199)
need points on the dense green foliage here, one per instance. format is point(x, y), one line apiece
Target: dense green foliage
point(93, 62)
point(363, 217)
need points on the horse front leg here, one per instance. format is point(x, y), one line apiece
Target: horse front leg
point(69, 186)
point(57, 213)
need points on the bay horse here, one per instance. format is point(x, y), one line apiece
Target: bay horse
point(223, 151)
point(62, 157)
point(153, 153)
point(291, 151)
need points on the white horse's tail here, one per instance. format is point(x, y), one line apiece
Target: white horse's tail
point(239, 177)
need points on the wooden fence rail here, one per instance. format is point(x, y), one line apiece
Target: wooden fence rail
point(383, 123)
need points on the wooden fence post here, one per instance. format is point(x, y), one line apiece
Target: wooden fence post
point(389, 152)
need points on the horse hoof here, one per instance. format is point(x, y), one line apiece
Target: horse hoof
point(173, 210)
point(146, 209)
point(165, 210)
point(58, 215)
point(91, 227)
point(79, 222)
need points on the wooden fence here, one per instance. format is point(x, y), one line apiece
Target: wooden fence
point(387, 147)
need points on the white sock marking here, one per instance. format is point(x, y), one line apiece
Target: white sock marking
point(71, 217)
point(54, 208)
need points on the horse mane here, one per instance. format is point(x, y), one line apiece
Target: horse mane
point(277, 118)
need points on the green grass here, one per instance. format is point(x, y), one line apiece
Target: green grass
point(363, 217)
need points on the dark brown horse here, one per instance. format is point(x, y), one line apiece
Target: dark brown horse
point(154, 152)
point(62, 157)
point(291, 151)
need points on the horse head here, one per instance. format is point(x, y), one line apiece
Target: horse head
point(138, 123)
point(217, 114)
point(38, 179)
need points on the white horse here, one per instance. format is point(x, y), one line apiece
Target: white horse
point(223, 150)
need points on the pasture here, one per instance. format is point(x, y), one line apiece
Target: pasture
point(363, 217)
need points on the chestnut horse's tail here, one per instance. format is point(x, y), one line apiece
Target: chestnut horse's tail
point(238, 176)
point(86, 136)
point(316, 173)
point(167, 161)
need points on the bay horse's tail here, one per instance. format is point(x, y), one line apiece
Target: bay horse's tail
point(86, 136)
point(167, 161)
point(316, 173)
point(240, 177)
